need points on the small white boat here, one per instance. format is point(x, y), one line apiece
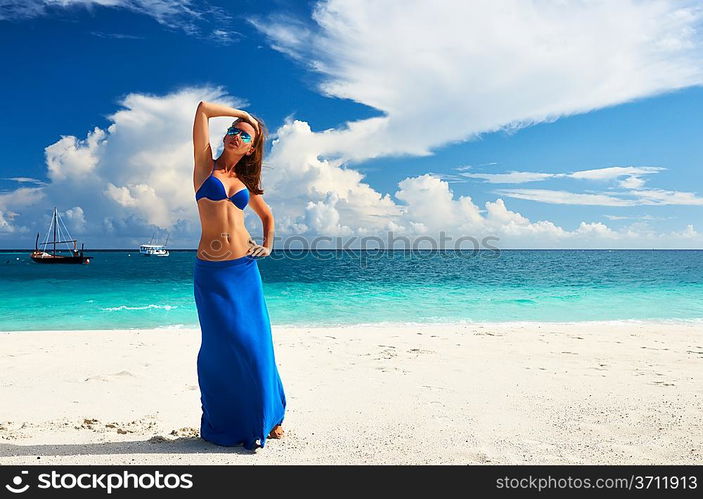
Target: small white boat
point(151, 249)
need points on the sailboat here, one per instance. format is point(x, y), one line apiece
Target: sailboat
point(43, 256)
point(153, 249)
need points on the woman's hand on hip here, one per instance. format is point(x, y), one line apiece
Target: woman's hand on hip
point(256, 250)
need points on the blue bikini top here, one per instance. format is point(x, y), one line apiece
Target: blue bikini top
point(214, 189)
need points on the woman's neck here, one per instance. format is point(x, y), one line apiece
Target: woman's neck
point(227, 163)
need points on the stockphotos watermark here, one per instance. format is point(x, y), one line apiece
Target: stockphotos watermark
point(364, 248)
point(105, 481)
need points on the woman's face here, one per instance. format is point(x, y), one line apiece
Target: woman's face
point(235, 143)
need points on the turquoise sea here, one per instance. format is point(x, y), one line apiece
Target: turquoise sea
point(122, 289)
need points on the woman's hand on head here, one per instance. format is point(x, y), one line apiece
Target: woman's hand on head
point(248, 117)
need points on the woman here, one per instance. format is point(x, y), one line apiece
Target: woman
point(242, 396)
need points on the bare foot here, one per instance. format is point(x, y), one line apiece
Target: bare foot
point(277, 432)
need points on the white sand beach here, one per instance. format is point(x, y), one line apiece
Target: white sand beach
point(503, 393)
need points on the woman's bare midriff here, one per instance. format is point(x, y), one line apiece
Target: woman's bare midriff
point(223, 236)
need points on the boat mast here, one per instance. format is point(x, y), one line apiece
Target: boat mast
point(54, 230)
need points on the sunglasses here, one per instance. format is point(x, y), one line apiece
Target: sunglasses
point(246, 138)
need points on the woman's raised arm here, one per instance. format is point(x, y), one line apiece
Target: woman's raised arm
point(202, 151)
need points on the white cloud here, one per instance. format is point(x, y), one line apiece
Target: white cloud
point(510, 177)
point(483, 66)
point(5, 222)
point(17, 199)
point(643, 217)
point(565, 197)
point(688, 233)
point(299, 176)
point(458, 68)
point(664, 197)
point(75, 220)
point(73, 159)
point(629, 198)
point(12, 207)
point(225, 36)
point(178, 14)
point(119, 36)
point(21, 197)
point(632, 181)
point(122, 182)
point(596, 229)
point(613, 172)
point(429, 201)
point(323, 218)
point(464, 68)
point(28, 180)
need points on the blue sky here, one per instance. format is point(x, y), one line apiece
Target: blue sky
point(437, 111)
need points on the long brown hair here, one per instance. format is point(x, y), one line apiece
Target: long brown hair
point(248, 168)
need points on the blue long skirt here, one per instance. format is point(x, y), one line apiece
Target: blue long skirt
point(241, 393)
